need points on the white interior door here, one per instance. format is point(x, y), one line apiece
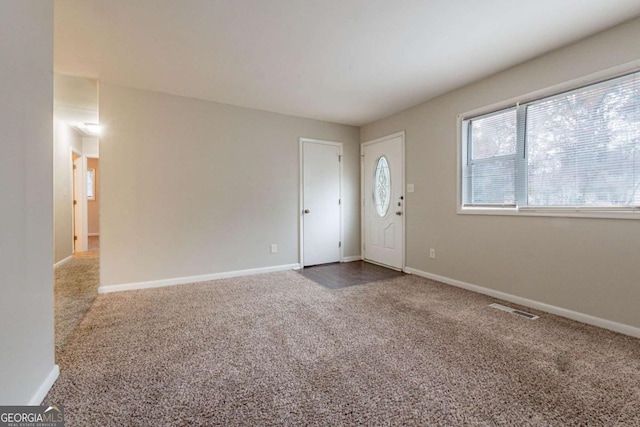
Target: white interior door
point(321, 220)
point(383, 185)
point(78, 198)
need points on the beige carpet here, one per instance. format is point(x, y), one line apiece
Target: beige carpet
point(75, 288)
point(278, 349)
point(86, 255)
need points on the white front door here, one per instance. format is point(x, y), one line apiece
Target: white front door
point(320, 202)
point(383, 185)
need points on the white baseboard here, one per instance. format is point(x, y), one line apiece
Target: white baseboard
point(93, 234)
point(574, 315)
point(194, 279)
point(44, 388)
point(64, 261)
point(352, 258)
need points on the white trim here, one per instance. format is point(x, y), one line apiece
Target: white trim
point(552, 212)
point(62, 262)
point(93, 234)
point(362, 201)
point(85, 206)
point(300, 204)
point(44, 388)
point(401, 134)
point(459, 153)
point(194, 279)
point(559, 311)
point(352, 258)
point(73, 151)
point(384, 138)
point(84, 210)
point(340, 146)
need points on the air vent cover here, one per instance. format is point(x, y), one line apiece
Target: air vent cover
point(514, 311)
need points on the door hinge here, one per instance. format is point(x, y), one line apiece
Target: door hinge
point(339, 244)
point(339, 157)
point(75, 202)
point(74, 167)
point(339, 201)
point(75, 238)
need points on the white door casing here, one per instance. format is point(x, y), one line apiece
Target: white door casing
point(320, 211)
point(77, 205)
point(383, 201)
point(80, 220)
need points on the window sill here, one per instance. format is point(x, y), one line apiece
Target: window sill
point(630, 213)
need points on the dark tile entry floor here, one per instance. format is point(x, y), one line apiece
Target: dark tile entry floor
point(342, 275)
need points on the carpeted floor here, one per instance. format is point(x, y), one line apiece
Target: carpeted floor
point(75, 288)
point(279, 349)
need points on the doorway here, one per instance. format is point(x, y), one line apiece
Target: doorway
point(93, 204)
point(79, 202)
point(76, 199)
point(320, 202)
point(383, 205)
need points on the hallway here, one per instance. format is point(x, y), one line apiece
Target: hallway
point(75, 288)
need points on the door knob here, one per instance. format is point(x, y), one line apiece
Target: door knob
point(398, 213)
point(307, 211)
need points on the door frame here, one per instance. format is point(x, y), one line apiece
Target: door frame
point(340, 146)
point(84, 227)
point(402, 136)
point(86, 202)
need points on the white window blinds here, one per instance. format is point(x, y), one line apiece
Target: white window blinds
point(491, 159)
point(576, 149)
point(583, 147)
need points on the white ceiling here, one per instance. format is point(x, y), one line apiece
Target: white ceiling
point(345, 61)
point(75, 100)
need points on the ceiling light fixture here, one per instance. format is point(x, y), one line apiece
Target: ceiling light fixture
point(89, 129)
point(93, 128)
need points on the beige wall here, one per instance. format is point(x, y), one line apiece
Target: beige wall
point(26, 191)
point(192, 187)
point(64, 139)
point(90, 146)
point(586, 265)
point(93, 206)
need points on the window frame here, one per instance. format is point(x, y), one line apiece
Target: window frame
point(521, 103)
point(469, 162)
point(92, 173)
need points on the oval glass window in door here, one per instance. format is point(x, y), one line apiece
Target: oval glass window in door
point(382, 186)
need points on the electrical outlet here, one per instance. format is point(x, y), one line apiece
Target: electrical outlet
point(432, 253)
point(274, 249)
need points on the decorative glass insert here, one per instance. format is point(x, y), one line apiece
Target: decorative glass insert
point(382, 186)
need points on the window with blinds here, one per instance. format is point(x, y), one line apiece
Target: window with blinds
point(578, 149)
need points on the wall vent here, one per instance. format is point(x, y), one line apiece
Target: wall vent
point(514, 311)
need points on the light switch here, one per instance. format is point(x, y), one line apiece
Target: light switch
point(410, 188)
